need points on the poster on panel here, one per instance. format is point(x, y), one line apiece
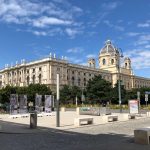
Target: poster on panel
point(13, 104)
point(48, 103)
point(38, 103)
point(23, 104)
point(133, 106)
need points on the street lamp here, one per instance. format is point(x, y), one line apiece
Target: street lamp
point(82, 95)
point(58, 95)
point(120, 54)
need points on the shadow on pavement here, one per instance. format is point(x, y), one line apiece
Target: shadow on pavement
point(16, 136)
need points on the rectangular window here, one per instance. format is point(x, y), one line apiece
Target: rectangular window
point(33, 70)
point(58, 69)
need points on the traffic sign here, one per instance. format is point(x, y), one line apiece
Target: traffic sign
point(138, 95)
point(146, 97)
point(147, 92)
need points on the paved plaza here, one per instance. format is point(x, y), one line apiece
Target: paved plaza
point(15, 134)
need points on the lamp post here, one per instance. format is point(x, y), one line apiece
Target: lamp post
point(119, 84)
point(82, 96)
point(57, 112)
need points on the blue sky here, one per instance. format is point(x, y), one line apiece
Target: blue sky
point(31, 29)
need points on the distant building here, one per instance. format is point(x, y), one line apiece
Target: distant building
point(44, 71)
point(0, 81)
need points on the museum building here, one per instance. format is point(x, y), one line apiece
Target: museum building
point(44, 71)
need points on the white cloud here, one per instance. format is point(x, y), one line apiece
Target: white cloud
point(18, 8)
point(75, 50)
point(98, 19)
point(40, 33)
point(31, 8)
point(147, 46)
point(11, 19)
point(40, 14)
point(116, 27)
point(119, 28)
point(49, 32)
point(91, 56)
point(77, 9)
point(105, 10)
point(140, 58)
point(120, 21)
point(107, 22)
point(144, 25)
point(75, 60)
point(132, 34)
point(72, 32)
point(110, 5)
point(143, 39)
point(45, 21)
point(84, 64)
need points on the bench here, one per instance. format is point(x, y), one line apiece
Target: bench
point(47, 114)
point(109, 118)
point(40, 115)
point(142, 136)
point(83, 121)
point(112, 118)
point(148, 114)
point(63, 109)
point(132, 116)
point(123, 117)
point(14, 116)
point(24, 115)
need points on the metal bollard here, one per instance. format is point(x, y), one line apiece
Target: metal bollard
point(33, 120)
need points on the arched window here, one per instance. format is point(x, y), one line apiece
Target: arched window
point(40, 77)
point(112, 61)
point(33, 79)
point(28, 79)
point(104, 61)
point(79, 81)
point(73, 80)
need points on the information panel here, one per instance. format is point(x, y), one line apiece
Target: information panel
point(38, 103)
point(23, 104)
point(13, 104)
point(134, 106)
point(48, 103)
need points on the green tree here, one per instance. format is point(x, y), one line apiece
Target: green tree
point(65, 94)
point(68, 94)
point(75, 91)
point(40, 89)
point(115, 94)
point(21, 90)
point(31, 91)
point(98, 89)
point(132, 94)
point(5, 93)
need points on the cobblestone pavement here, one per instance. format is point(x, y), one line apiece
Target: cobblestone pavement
point(112, 136)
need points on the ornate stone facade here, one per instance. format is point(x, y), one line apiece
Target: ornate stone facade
point(44, 71)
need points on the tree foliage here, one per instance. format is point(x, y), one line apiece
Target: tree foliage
point(132, 94)
point(115, 95)
point(65, 94)
point(31, 91)
point(98, 89)
point(68, 94)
